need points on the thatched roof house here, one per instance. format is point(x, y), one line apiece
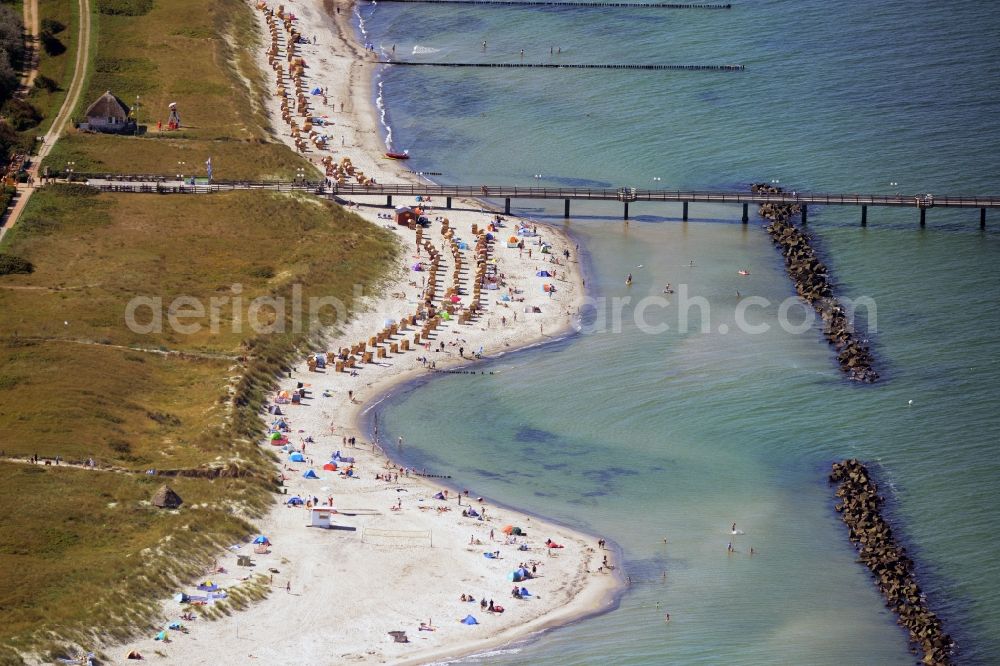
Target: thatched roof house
point(108, 114)
point(166, 498)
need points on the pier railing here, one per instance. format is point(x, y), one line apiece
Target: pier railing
point(507, 193)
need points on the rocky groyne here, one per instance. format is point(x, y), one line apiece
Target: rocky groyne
point(860, 507)
point(812, 284)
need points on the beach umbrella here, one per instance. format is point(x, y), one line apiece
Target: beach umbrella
point(455, 299)
point(507, 529)
point(262, 539)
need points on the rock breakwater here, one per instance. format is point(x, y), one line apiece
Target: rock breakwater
point(860, 507)
point(812, 284)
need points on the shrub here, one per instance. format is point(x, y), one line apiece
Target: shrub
point(52, 44)
point(20, 114)
point(45, 83)
point(265, 272)
point(53, 26)
point(120, 446)
point(10, 263)
point(124, 7)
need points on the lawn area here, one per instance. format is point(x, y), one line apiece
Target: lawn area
point(76, 381)
point(198, 54)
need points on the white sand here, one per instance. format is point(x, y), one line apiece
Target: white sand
point(348, 592)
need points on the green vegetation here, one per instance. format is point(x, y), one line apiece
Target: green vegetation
point(11, 264)
point(88, 556)
point(198, 54)
point(59, 25)
point(76, 382)
point(11, 50)
point(86, 552)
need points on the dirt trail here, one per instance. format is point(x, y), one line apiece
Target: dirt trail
point(25, 191)
point(32, 31)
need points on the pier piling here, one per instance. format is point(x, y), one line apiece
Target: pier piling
point(864, 216)
point(923, 216)
point(566, 208)
point(746, 213)
point(684, 215)
point(626, 211)
point(506, 206)
point(805, 214)
point(982, 218)
point(388, 200)
point(448, 203)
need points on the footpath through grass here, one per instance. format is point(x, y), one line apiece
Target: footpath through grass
point(198, 54)
point(77, 382)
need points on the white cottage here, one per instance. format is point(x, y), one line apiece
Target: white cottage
point(108, 114)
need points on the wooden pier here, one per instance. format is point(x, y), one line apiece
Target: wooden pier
point(556, 65)
point(569, 3)
point(627, 195)
point(509, 193)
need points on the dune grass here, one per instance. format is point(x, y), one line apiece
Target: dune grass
point(76, 382)
point(85, 551)
point(200, 55)
point(87, 558)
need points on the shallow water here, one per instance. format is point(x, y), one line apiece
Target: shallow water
point(639, 436)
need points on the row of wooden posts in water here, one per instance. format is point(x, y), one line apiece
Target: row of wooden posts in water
point(860, 507)
point(431, 308)
point(812, 284)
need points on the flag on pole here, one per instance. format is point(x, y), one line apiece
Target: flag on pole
point(208, 167)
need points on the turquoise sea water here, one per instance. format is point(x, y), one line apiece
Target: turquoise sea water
point(639, 436)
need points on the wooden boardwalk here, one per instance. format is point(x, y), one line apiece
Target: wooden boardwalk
point(508, 193)
point(569, 3)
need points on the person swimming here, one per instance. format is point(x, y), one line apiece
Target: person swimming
point(667, 289)
point(628, 280)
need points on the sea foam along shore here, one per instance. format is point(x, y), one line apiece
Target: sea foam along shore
point(339, 592)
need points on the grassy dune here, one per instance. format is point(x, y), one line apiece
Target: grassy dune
point(86, 556)
point(76, 382)
point(198, 54)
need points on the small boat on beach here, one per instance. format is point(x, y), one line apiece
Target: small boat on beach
point(405, 155)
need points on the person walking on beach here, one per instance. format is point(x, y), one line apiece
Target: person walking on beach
point(288, 587)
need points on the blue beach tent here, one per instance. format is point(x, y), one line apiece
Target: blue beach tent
point(470, 620)
point(297, 457)
point(310, 475)
point(295, 501)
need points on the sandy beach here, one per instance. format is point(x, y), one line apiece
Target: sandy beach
point(401, 554)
